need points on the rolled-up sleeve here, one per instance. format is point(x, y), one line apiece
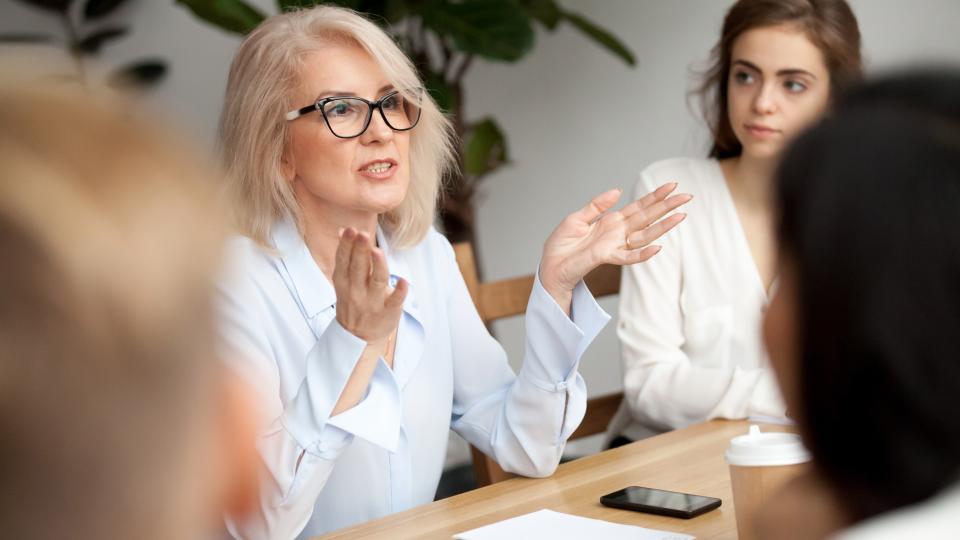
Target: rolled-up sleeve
point(522, 421)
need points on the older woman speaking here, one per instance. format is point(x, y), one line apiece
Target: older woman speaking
point(347, 308)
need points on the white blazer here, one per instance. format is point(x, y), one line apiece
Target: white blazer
point(386, 454)
point(690, 317)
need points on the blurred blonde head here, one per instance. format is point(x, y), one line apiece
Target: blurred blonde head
point(111, 237)
point(254, 132)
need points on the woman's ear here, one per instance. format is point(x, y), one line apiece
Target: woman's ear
point(287, 168)
point(238, 444)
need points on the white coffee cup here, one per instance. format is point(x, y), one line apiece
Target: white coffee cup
point(760, 463)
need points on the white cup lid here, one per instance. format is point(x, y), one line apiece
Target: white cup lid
point(757, 449)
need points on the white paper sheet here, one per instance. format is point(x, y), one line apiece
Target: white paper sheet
point(551, 525)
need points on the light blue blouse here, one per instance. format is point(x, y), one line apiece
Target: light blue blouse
point(386, 454)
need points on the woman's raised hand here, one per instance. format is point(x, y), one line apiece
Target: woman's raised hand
point(593, 236)
point(367, 306)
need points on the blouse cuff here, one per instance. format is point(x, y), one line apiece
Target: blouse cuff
point(555, 342)
point(329, 365)
point(376, 418)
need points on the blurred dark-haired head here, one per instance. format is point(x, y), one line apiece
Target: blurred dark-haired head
point(865, 330)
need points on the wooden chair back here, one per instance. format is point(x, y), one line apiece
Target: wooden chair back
point(508, 297)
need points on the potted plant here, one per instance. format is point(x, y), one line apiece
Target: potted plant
point(86, 29)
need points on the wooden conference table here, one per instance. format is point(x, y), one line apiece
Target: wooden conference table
point(688, 460)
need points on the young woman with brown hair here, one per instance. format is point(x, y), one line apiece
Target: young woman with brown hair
point(689, 320)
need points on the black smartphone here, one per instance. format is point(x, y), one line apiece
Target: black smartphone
point(658, 501)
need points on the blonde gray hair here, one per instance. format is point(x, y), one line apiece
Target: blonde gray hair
point(254, 132)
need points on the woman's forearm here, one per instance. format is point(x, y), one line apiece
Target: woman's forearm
point(359, 380)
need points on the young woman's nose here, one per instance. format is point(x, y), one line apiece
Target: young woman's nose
point(764, 102)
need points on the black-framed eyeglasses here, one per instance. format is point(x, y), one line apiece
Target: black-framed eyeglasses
point(349, 116)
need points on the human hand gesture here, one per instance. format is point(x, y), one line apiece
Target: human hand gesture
point(593, 236)
point(366, 305)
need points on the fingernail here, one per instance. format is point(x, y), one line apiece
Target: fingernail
point(340, 232)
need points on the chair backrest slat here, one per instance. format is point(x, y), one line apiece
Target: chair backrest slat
point(508, 297)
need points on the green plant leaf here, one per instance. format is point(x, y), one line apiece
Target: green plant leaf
point(493, 29)
point(546, 12)
point(98, 8)
point(393, 11)
point(140, 74)
point(486, 148)
point(374, 7)
point(92, 43)
point(24, 38)
point(284, 5)
point(234, 16)
point(440, 91)
point(601, 36)
point(390, 11)
point(60, 6)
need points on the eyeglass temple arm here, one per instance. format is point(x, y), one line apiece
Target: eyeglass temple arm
point(293, 115)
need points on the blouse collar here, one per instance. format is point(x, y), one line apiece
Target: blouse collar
point(315, 292)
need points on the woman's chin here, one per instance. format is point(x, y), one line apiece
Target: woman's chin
point(763, 151)
point(382, 205)
point(386, 197)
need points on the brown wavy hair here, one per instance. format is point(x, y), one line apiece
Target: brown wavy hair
point(829, 24)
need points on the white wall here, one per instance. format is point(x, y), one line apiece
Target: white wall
point(578, 120)
point(198, 55)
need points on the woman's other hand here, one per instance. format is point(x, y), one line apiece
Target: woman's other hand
point(593, 236)
point(367, 306)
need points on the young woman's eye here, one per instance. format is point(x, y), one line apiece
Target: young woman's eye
point(794, 87)
point(743, 77)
